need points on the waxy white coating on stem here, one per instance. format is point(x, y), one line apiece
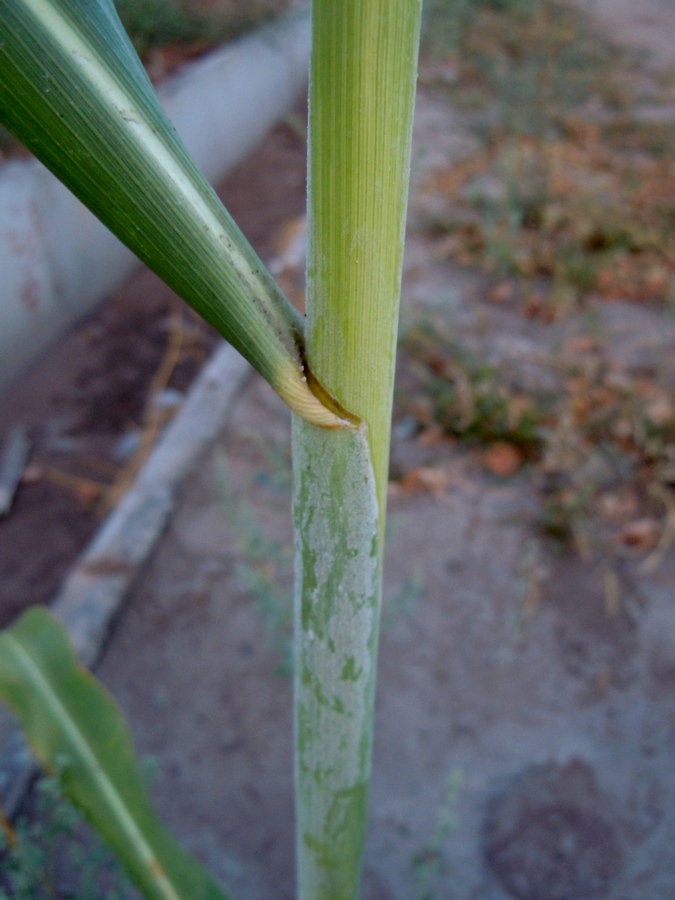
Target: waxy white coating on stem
point(337, 597)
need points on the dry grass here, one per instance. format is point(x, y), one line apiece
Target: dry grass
point(599, 445)
point(571, 186)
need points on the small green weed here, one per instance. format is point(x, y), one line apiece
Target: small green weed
point(529, 61)
point(264, 568)
point(406, 599)
point(465, 395)
point(51, 853)
point(445, 22)
point(600, 441)
point(607, 453)
point(430, 864)
point(161, 23)
point(157, 23)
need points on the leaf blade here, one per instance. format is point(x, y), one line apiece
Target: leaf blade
point(76, 729)
point(74, 92)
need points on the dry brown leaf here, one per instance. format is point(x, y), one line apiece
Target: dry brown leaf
point(618, 507)
point(432, 435)
point(640, 534)
point(431, 479)
point(421, 407)
point(502, 459)
point(502, 292)
point(290, 245)
point(660, 410)
point(33, 473)
point(582, 344)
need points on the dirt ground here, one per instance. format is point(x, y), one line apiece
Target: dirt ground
point(525, 724)
point(647, 25)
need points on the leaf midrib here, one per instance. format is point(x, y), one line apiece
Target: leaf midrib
point(87, 757)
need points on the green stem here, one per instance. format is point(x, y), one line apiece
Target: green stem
point(364, 55)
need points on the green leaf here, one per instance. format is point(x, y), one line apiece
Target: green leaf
point(77, 731)
point(74, 92)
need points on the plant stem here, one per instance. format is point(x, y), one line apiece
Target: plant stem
point(364, 56)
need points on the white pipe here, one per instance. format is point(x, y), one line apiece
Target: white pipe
point(57, 261)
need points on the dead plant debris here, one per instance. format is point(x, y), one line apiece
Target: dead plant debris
point(600, 447)
point(572, 191)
